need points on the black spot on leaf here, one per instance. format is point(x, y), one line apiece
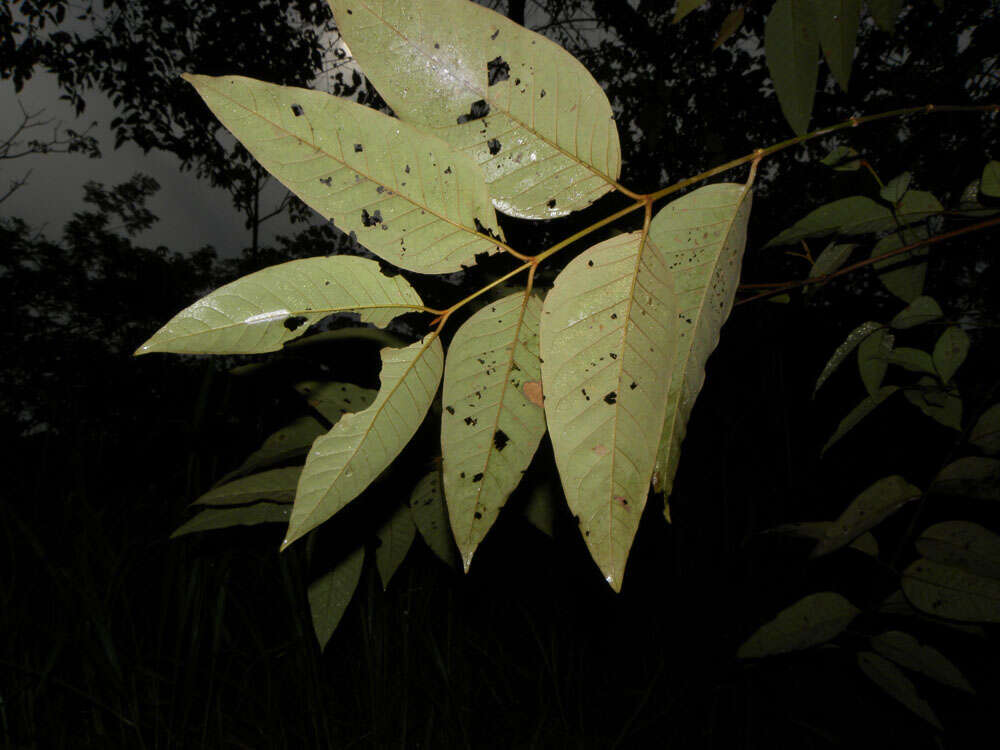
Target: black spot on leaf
point(478, 477)
point(495, 34)
point(590, 263)
point(326, 181)
point(551, 203)
point(611, 398)
point(447, 170)
point(479, 109)
point(450, 409)
point(542, 94)
point(358, 148)
point(477, 515)
point(497, 70)
point(380, 189)
point(500, 439)
point(633, 385)
point(483, 230)
point(494, 146)
point(584, 392)
point(295, 322)
point(297, 110)
point(471, 421)
point(370, 220)
point(612, 355)
point(407, 170)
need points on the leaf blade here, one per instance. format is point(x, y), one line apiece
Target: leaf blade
point(812, 620)
point(791, 44)
point(330, 595)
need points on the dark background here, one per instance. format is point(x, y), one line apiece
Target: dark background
point(111, 635)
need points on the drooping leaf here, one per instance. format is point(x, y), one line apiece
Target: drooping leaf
point(811, 621)
point(241, 515)
point(837, 22)
point(950, 351)
point(354, 452)
point(263, 310)
point(540, 509)
point(866, 511)
point(914, 360)
point(885, 13)
point(684, 7)
point(427, 506)
point(792, 47)
point(489, 429)
point(908, 652)
point(941, 405)
point(907, 271)
point(533, 118)
point(962, 544)
point(972, 476)
point(919, 311)
point(842, 159)
point(832, 258)
point(276, 485)
point(893, 681)
point(985, 434)
point(608, 337)
point(858, 413)
point(704, 237)
point(896, 188)
point(333, 399)
point(289, 442)
point(395, 537)
point(947, 591)
point(841, 353)
point(409, 196)
point(330, 595)
point(730, 25)
point(873, 354)
point(855, 215)
point(989, 183)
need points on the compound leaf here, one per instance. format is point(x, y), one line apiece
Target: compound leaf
point(811, 621)
point(409, 196)
point(263, 310)
point(360, 446)
point(535, 120)
point(489, 429)
point(330, 595)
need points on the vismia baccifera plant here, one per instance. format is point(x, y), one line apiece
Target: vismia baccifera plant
point(488, 117)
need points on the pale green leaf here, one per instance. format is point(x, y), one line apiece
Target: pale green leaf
point(703, 238)
point(919, 311)
point(289, 442)
point(684, 7)
point(858, 413)
point(940, 405)
point(842, 159)
point(885, 13)
point(540, 508)
point(841, 353)
point(854, 215)
point(360, 446)
point(989, 183)
point(896, 188)
point(241, 515)
point(792, 47)
point(730, 25)
point(962, 544)
point(867, 510)
point(427, 506)
point(914, 360)
point(489, 428)
point(534, 119)
point(837, 21)
point(333, 399)
point(947, 591)
point(395, 538)
point(330, 595)
point(276, 485)
point(833, 257)
point(811, 621)
point(907, 272)
point(908, 652)
point(608, 337)
point(409, 196)
point(873, 353)
point(986, 433)
point(950, 351)
point(893, 681)
point(972, 476)
point(263, 310)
